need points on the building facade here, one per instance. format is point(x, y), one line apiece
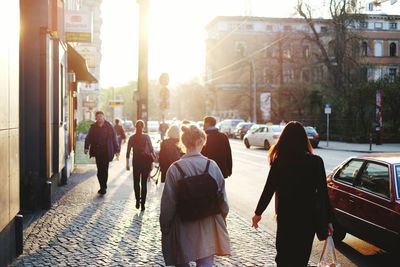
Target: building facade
point(249, 58)
point(90, 50)
point(9, 130)
point(380, 40)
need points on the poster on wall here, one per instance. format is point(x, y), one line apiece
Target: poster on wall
point(265, 106)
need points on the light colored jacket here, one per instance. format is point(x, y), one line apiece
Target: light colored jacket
point(183, 242)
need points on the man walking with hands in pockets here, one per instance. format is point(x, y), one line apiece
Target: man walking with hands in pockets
point(101, 143)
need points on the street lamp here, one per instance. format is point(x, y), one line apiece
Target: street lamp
point(254, 89)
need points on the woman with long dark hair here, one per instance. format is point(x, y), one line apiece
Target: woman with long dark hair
point(295, 176)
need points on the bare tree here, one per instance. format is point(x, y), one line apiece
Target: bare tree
point(338, 45)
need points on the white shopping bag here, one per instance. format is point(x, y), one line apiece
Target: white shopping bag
point(328, 255)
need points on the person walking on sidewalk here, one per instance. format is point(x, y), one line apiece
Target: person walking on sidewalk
point(143, 157)
point(121, 136)
point(170, 151)
point(101, 143)
point(217, 147)
point(294, 177)
point(200, 239)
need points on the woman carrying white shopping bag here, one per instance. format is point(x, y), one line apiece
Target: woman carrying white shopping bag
point(297, 177)
point(328, 255)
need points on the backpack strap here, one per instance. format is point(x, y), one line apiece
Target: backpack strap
point(208, 165)
point(180, 169)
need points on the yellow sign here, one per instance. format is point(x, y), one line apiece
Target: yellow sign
point(80, 37)
point(114, 103)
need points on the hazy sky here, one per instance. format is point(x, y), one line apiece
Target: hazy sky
point(176, 34)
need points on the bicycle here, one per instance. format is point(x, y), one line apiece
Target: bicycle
point(155, 170)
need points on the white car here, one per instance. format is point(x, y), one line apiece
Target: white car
point(152, 126)
point(263, 136)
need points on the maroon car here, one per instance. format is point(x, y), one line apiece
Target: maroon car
point(365, 195)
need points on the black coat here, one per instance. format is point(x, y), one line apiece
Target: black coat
point(295, 184)
point(102, 140)
point(140, 144)
point(169, 153)
point(218, 149)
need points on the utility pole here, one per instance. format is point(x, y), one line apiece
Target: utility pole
point(142, 90)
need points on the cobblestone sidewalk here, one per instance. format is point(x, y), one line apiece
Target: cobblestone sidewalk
point(85, 229)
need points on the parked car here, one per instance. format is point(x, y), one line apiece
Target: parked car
point(152, 126)
point(263, 136)
point(313, 136)
point(228, 126)
point(241, 129)
point(128, 126)
point(365, 195)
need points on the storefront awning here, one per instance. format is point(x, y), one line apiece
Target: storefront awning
point(77, 64)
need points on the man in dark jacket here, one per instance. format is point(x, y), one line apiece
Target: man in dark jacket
point(217, 147)
point(102, 143)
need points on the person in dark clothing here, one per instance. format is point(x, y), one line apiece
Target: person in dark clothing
point(142, 160)
point(217, 147)
point(163, 129)
point(101, 143)
point(170, 151)
point(121, 136)
point(295, 176)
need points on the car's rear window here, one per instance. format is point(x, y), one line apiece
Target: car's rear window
point(397, 173)
point(310, 130)
point(277, 128)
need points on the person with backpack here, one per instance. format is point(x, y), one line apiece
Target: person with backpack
point(217, 146)
point(142, 160)
point(192, 231)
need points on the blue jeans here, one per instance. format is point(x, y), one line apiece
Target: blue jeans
point(204, 262)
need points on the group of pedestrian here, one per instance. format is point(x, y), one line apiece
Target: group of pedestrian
point(194, 164)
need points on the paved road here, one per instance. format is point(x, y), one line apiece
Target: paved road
point(247, 182)
point(84, 229)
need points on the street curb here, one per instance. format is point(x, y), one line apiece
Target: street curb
point(355, 150)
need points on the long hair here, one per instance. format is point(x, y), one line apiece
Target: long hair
point(292, 143)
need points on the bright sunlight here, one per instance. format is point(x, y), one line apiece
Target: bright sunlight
point(176, 35)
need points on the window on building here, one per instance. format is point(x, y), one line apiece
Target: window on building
point(378, 49)
point(240, 49)
point(324, 29)
point(306, 75)
point(287, 28)
point(393, 25)
point(364, 48)
point(393, 49)
point(371, 6)
point(268, 76)
point(364, 74)
point(269, 28)
point(249, 27)
point(287, 75)
point(392, 74)
point(331, 49)
point(306, 51)
point(287, 52)
point(364, 25)
point(378, 25)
